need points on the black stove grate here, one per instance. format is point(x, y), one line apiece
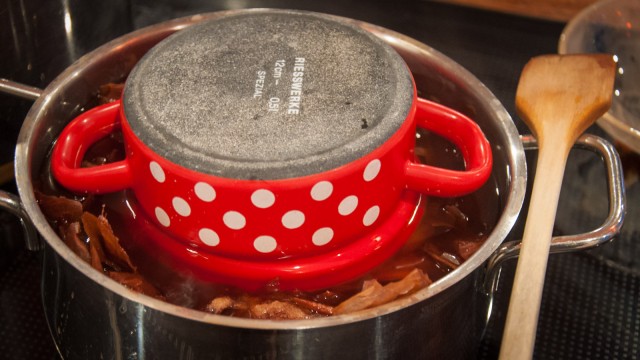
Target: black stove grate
point(23, 330)
point(589, 310)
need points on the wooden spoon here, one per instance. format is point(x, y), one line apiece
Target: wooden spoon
point(558, 97)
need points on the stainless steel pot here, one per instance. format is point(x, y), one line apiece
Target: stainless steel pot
point(91, 316)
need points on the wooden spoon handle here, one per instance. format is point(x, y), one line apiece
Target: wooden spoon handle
point(522, 318)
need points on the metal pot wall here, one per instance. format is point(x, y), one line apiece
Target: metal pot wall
point(91, 316)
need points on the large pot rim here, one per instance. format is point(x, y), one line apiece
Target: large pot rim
point(514, 199)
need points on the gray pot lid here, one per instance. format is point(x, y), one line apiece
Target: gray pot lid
point(268, 94)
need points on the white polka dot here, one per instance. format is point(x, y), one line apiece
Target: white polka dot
point(322, 236)
point(209, 237)
point(163, 217)
point(157, 172)
point(263, 198)
point(234, 220)
point(371, 215)
point(205, 192)
point(293, 219)
point(348, 205)
point(181, 206)
point(321, 191)
point(372, 170)
point(265, 244)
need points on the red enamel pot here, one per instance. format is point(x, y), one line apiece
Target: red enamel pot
point(273, 145)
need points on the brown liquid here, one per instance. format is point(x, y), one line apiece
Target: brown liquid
point(449, 232)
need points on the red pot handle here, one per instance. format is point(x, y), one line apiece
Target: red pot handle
point(467, 136)
point(75, 139)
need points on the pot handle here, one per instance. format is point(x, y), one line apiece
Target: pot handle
point(12, 204)
point(75, 139)
point(562, 244)
point(467, 136)
point(20, 90)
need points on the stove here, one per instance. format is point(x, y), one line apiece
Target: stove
point(590, 306)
